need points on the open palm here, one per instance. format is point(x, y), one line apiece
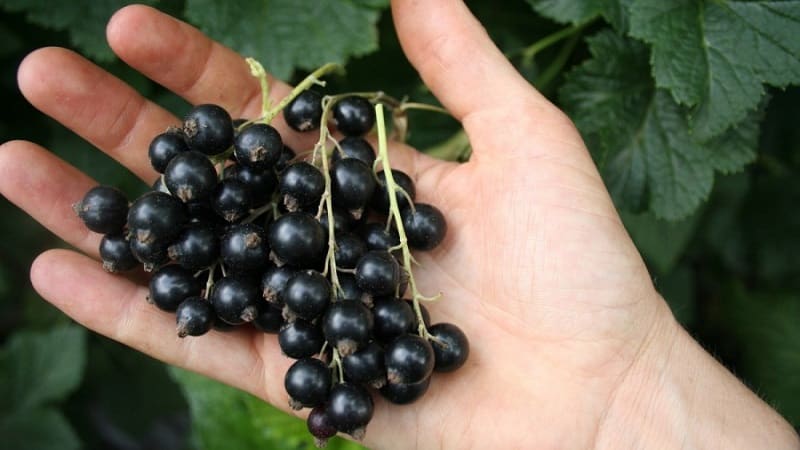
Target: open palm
point(537, 268)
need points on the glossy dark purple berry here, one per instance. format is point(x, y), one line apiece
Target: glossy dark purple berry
point(287, 155)
point(156, 216)
point(164, 147)
point(350, 408)
point(304, 112)
point(378, 273)
point(197, 247)
point(352, 184)
point(307, 294)
point(208, 129)
point(354, 116)
point(234, 300)
point(244, 247)
point(380, 199)
point(366, 366)
point(273, 281)
point(450, 346)
point(231, 200)
point(409, 359)
point(259, 145)
point(171, 285)
point(320, 426)
point(425, 226)
point(347, 326)
point(298, 239)
point(103, 209)
point(115, 252)
point(393, 318)
point(354, 147)
point(403, 394)
point(308, 382)
point(349, 288)
point(377, 238)
point(190, 176)
point(194, 317)
point(150, 253)
point(260, 182)
point(269, 318)
point(342, 220)
point(349, 250)
point(300, 339)
point(301, 185)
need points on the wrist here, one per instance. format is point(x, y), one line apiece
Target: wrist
point(676, 395)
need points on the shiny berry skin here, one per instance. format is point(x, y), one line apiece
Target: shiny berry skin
point(307, 382)
point(393, 318)
point(103, 209)
point(302, 185)
point(287, 155)
point(380, 199)
point(259, 145)
point(298, 240)
point(244, 247)
point(425, 226)
point(350, 290)
point(208, 129)
point(342, 220)
point(354, 116)
point(377, 238)
point(304, 112)
point(260, 182)
point(349, 249)
point(409, 359)
point(156, 216)
point(452, 348)
point(164, 147)
point(231, 200)
point(190, 176)
point(355, 147)
point(273, 281)
point(171, 285)
point(307, 294)
point(402, 393)
point(347, 326)
point(197, 247)
point(150, 253)
point(194, 317)
point(378, 273)
point(350, 408)
point(366, 366)
point(115, 252)
point(300, 339)
point(269, 318)
point(234, 299)
point(352, 184)
point(320, 426)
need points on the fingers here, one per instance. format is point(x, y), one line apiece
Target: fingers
point(94, 104)
point(115, 307)
point(456, 58)
point(46, 187)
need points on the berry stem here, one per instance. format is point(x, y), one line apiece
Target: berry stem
point(392, 189)
point(405, 106)
point(330, 258)
point(210, 280)
point(337, 361)
point(257, 70)
point(311, 79)
point(529, 52)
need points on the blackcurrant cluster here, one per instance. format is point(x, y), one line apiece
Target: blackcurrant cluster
point(238, 230)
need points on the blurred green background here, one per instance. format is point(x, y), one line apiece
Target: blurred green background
point(730, 269)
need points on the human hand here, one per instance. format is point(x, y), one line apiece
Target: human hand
point(568, 336)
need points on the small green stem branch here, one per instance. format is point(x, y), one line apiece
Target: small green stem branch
point(310, 80)
point(210, 280)
point(321, 147)
point(392, 189)
point(530, 52)
point(554, 68)
point(337, 361)
point(257, 70)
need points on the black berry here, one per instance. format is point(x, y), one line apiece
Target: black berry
point(103, 209)
point(194, 317)
point(208, 129)
point(171, 285)
point(304, 112)
point(425, 226)
point(354, 116)
point(409, 359)
point(307, 382)
point(450, 346)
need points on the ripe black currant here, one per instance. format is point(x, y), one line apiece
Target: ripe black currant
point(259, 145)
point(425, 226)
point(319, 425)
point(380, 199)
point(304, 112)
point(197, 246)
point(409, 359)
point(234, 299)
point(115, 251)
point(190, 176)
point(298, 239)
point(450, 347)
point(377, 238)
point(349, 250)
point(307, 294)
point(260, 182)
point(354, 116)
point(347, 326)
point(342, 220)
point(273, 281)
point(405, 393)
point(378, 273)
point(194, 317)
point(208, 129)
point(156, 216)
point(349, 289)
point(269, 318)
point(302, 185)
point(244, 247)
point(103, 209)
point(287, 155)
point(354, 147)
point(350, 408)
point(352, 184)
point(426, 316)
point(164, 147)
point(307, 382)
point(366, 366)
point(300, 339)
point(150, 253)
point(171, 285)
point(393, 318)
point(231, 200)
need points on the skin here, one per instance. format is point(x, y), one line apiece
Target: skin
point(571, 346)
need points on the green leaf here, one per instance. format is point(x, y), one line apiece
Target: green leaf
point(288, 34)
point(640, 137)
point(37, 429)
point(716, 56)
point(579, 11)
point(648, 233)
point(224, 418)
point(40, 367)
point(84, 20)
